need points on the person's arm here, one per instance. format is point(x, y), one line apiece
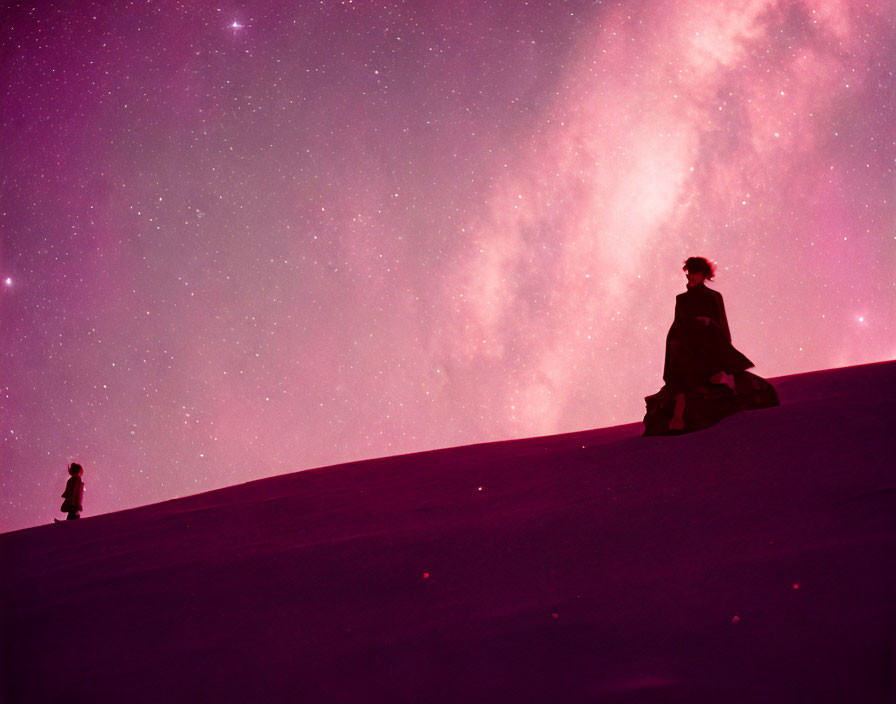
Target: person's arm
point(679, 309)
point(79, 494)
point(723, 319)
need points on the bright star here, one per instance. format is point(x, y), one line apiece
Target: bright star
point(236, 25)
point(8, 281)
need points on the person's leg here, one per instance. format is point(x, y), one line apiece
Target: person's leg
point(677, 422)
point(675, 365)
point(72, 515)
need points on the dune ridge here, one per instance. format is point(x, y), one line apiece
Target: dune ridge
point(752, 561)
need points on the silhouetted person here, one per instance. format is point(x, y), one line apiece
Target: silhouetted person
point(74, 492)
point(706, 378)
point(698, 346)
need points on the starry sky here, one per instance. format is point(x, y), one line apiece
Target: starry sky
point(239, 240)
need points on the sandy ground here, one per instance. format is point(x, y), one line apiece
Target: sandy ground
point(749, 562)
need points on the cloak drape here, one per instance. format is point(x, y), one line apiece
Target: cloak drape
point(697, 347)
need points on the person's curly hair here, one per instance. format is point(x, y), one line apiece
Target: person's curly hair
point(74, 468)
point(700, 265)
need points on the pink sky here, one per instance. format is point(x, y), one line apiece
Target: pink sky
point(342, 232)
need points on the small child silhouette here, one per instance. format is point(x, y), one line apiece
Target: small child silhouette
point(74, 492)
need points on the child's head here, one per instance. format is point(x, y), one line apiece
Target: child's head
point(74, 468)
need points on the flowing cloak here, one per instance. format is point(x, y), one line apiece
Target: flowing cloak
point(74, 492)
point(694, 350)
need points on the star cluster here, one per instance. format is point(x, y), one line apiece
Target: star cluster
point(237, 242)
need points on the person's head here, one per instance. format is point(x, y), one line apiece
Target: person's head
point(75, 469)
point(698, 270)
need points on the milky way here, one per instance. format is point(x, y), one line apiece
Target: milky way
point(243, 240)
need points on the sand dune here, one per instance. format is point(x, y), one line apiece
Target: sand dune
point(750, 562)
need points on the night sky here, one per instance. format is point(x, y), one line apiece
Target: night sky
point(248, 239)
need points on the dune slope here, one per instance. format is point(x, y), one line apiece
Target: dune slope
point(753, 561)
